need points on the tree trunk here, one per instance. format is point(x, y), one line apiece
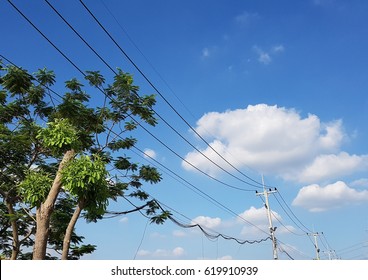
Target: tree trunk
point(16, 244)
point(44, 211)
point(70, 228)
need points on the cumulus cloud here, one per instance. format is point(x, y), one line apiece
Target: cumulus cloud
point(207, 222)
point(149, 153)
point(256, 216)
point(276, 141)
point(258, 222)
point(316, 198)
point(335, 165)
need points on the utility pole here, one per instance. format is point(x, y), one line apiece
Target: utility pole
point(331, 254)
point(315, 234)
point(271, 228)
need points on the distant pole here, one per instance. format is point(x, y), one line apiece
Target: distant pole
point(315, 234)
point(271, 228)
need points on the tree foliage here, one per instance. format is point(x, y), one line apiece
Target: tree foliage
point(54, 157)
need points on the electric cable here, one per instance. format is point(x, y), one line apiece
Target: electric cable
point(291, 211)
point(290, 219)
point(161, 95)
point(205, 232)
point(281, 223)
point(216, 202)
point(196, 188)
point(70, 61)
point(159, 115)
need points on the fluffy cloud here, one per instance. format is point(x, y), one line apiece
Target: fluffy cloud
point(149, 153)
point(256, 216)
point(325, 166)
point(276, 141)
point(207, 222)
point(258, 222)
point(316, 198)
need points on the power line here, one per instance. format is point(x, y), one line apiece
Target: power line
point(206, 233)
point(59, 49)
point(216, 202)
point(281, 223)
point(162, 96)
point(80, 37)
point(193, 186)
point(163, 119)
point(70, 61)
point(289, 218)
point(291, 211)
point(146, 59)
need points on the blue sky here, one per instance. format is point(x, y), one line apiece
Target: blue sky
point(276, 87)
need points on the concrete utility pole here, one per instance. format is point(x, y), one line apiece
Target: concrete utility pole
point(331, 254)
point(315, 234)
point(272, 229)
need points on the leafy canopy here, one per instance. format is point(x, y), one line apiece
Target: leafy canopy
point(37, 129)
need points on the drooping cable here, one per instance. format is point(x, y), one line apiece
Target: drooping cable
point(209, 235)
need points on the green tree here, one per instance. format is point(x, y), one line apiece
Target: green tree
point(59, 170)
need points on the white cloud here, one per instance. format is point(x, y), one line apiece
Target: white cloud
point(257, 216)
point(179, 233)
point(149, 153)
point(208, 52)
point(278, 48)
point(264, 57)
point(178, 251)
point(124, 220)
point(276, 141)
point(207, 222)
point(335, 165)
point(143, 253)
point(258, 222)
point(316, 198)
point(162, 253)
